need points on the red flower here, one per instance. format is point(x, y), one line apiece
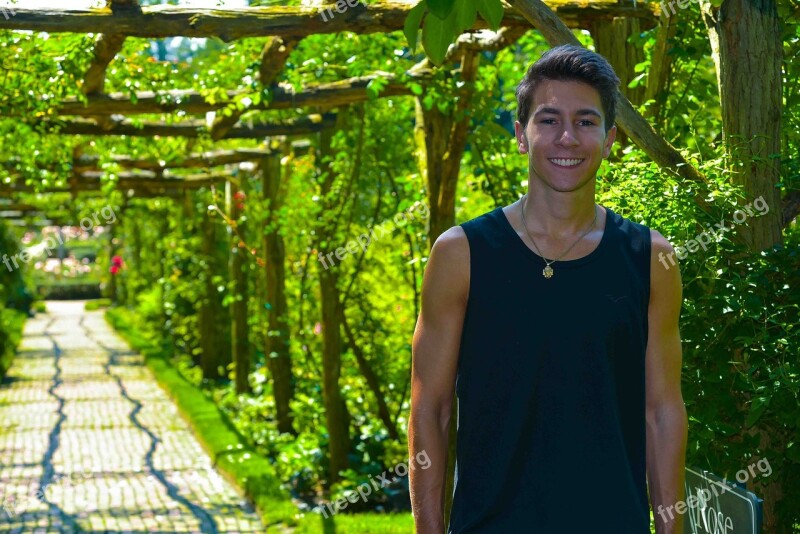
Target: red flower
point(114, 269)
point(116, 260)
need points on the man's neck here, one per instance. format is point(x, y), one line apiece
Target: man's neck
point(559, 214)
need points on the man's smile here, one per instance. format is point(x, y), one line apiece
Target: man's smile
point(566, 163)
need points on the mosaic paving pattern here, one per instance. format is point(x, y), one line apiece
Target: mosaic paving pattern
point(90, 443)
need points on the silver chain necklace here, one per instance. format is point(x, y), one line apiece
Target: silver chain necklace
point(547, 272)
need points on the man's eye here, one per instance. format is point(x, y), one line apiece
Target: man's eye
point(547, 121)
point(587, 123)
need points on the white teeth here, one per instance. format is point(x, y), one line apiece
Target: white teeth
point(566, 162)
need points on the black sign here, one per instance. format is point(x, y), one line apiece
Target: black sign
point(715, 506)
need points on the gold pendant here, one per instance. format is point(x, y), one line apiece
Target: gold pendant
point(547, 272)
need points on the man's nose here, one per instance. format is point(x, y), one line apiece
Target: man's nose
point(567, 137)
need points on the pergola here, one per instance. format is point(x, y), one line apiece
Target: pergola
point(440, 138)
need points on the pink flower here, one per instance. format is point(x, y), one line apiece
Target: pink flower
point(114, 269)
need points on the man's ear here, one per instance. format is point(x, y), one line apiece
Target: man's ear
point(522, 141)
point(610, 136)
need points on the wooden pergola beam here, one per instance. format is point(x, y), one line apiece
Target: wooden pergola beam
point(92, 181)
point(139, 182)
point(190, 129)
point(327, 95)
point(160, 21)
point(201, 160)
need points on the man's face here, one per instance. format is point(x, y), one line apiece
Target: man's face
point(565, 136)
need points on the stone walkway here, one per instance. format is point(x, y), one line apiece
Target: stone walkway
point(90, 443)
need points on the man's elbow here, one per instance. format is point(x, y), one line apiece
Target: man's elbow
point(671, 414)
point(432, 414)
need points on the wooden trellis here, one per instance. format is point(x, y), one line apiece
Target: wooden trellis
point(441, 138)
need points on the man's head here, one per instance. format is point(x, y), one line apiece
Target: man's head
point(566, 116)
point(570, 63)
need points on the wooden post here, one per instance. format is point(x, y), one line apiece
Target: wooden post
point(163, 247)
point(136, 275)
point(112, 251)
point(276, 341)
point(237, 265)
point(213, 354)
point(122, 277)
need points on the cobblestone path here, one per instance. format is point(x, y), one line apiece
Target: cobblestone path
point(90, 443)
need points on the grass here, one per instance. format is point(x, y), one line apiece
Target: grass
point(96, 304)
point(235, 457)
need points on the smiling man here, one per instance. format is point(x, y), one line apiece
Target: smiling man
point(557, 329)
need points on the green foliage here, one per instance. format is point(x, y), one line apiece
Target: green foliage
point(11, 324)
point(444, 20)
point(97, 304)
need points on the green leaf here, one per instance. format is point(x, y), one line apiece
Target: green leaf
point(793, 452)
point(492, 12)
point(441, 8)
point(466, 15)
point(437, 35)
point(411, 26)
point(375, 86)
point(757, 408)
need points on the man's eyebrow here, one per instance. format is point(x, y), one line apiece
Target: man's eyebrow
point(555, 111)
point(590, 111)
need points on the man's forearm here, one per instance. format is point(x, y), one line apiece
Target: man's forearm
point(666, 454)
point(429, 434)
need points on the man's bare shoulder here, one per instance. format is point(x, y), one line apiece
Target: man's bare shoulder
point(448, 265)
point(452, 245)
point(665, 278)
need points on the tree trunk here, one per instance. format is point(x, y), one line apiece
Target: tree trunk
point(611, 41)
point(660, 68)
point(277, 339)
point(337, 417)
point(441, 139)
point(746, 47)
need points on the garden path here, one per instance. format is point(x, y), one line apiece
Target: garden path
point(83, 418)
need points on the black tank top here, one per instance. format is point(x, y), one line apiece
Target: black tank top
point(551, 386)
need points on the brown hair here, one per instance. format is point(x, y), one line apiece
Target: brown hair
point(575, 64)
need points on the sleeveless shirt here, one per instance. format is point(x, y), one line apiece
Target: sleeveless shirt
point(550, 386)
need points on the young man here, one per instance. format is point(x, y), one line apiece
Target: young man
point(558, 329)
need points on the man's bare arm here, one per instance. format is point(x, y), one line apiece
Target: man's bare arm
point(666, 412)
point(436, 344)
